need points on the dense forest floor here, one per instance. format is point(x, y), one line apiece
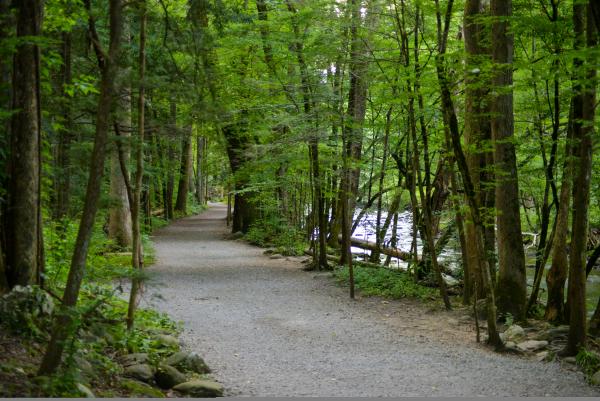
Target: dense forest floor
point(268, 328)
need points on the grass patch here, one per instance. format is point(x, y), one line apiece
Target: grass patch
point(385, 283)
point(589, 362)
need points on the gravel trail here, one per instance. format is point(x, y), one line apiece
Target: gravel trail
point(267, 328)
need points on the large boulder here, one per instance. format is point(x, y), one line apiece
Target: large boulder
point(200, 388)
point(190, 362)
point(141, 372)
point(514, 332)
point(532, 345)
point(167, 377)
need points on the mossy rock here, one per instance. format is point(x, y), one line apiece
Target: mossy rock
point(167, 341)
point(200, 388)
point(141, 372)
point(190, 362)
point(135, 359)
point(138, 388)
point(167, 377)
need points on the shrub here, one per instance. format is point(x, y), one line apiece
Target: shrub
point(384, 282)
point(278, 233)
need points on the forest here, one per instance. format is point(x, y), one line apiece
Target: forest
point(442, 150)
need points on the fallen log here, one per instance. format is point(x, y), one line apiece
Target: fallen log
point(371, 246)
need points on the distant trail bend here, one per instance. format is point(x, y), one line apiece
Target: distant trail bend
point(267, 328)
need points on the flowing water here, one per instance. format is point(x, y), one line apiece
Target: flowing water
point(451, 255)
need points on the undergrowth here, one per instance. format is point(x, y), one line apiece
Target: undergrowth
point(385, 283)
point(277, 233)
point(98, 334)
point(588, 361)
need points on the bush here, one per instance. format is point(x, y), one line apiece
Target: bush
point(26, 311)
point(384, 282)
point(278, 233)
point(588, 361)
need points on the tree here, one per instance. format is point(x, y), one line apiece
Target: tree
point(511, 286)
point(583, 130)
point(108, 64)
point(23, 213)
point(477, 134)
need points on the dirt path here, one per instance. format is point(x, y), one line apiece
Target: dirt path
point(267, 328)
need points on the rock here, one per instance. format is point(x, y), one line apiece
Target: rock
point(450, 281)
point(167, 340)
point(85, 367)
point(141, 372)
point(570, 359)
point(187, 362)
point(513, 332)
point(26, 310)
point(559, 331)
point(140, 389)
point(595, 379)
point(177, 359)
point(276, 257)
point(197, 364)
point(134, 359)
point(85, 390)
point(542, 356)
point(167, 376)
point(532, 345)
point(200, 388)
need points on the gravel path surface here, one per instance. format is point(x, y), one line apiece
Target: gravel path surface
point(267, 328)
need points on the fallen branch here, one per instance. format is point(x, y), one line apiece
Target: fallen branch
point(371, 246)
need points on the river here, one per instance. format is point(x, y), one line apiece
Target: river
point(451, 255)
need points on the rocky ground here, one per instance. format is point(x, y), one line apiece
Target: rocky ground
point(268, 328)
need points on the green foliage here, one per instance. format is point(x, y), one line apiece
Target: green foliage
point(26, 311)
point(386, 283)
point(277, 233)
point(589, 361)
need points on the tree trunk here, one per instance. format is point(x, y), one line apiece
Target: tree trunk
point(200, 170)
point(511, 287)
point(313, 145)
point(557, 275)
point(379, 233)
point(451, 122)
point(24, 243)
point(237, 142)
point(119, 217)
point(477, 131)
point(583, 132)
point(62, 181)
point(62, 327)
point(171, 162)
point(137, 260)
point(185, 171)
